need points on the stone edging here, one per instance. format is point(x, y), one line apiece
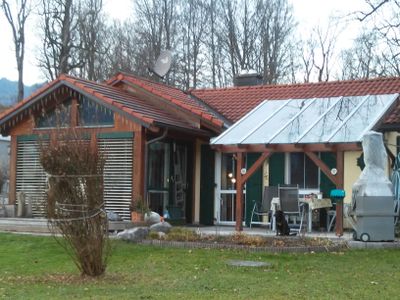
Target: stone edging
point(193, 245)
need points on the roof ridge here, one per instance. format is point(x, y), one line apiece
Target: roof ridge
point(152, 82)
point(147, 85)
point(285, 85)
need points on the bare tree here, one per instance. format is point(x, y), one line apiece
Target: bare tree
point(193, 22)
point(318, 52)
point(277, 43)
point(374, 6)
point(384, 17)
point(91, 31)
point(257, 36)
point(17, 19)
point(155, 30)
point(364, 59)
point(59, 37)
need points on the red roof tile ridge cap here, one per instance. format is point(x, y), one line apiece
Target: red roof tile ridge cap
point(146, 80)
point(285, 85)
point(99, 84)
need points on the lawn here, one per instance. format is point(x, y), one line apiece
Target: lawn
point(34, 267)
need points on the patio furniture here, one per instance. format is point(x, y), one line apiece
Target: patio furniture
point(263, 209)
point(311, 203)
point(290, 204)
point(330, 217)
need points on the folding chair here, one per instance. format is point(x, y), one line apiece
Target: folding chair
point(331, 217)
point(263, 208)
point(290, 205)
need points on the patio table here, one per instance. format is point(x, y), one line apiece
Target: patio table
point(312, 204)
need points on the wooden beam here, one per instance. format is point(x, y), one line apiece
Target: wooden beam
point(74, 113)
point(239, 192)
point(392, 157)
point(12, 196)
point(241, 180)
point(258, 163)
point(324, 168)
point(340, 169)
point(138, 159)
point(323, 147)
point(339, 185)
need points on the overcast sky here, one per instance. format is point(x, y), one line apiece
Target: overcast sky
point(308, 13)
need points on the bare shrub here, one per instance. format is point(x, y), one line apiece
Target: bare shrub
point(2, 179)
point(75, 206)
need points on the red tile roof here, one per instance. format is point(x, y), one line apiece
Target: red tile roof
point(142, 111)
point(136, 107)
point(33, 95)
point(171, 94)
point(235, 102)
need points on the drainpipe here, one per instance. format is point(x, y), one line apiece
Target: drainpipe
point(146, 147)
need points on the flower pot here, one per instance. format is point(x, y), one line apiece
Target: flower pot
point(137, 217)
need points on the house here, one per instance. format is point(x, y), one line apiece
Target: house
point(160, 140)
point(151, 134)
point(294, 158)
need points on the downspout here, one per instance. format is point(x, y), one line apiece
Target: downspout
point(146, 147)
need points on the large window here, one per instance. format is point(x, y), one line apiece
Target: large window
point(303, 171)
point(60, 116)
point(94, 114)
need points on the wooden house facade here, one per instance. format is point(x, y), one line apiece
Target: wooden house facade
point(150, 134)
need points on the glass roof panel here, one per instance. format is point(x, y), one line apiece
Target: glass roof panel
point(363, 119)
point(332, 120)
point(322, 120)
point(265, 132)
point(302, 123)
point(244, 126)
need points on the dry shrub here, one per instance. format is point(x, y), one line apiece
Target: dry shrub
point(1, 179)
point(248, 240)
point(75, 205)
point(182, 235)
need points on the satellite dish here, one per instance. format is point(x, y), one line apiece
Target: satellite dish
point(163, 63)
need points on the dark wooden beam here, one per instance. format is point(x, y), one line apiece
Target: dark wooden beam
point(241, 180)
point(323, 147)
point(340, 169)
point(392, 157)
point(12, 196)
point(324, 168)
point(258, 163)
point(339, 185)
point(239, 192)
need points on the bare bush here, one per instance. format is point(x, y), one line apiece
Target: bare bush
point(75, 204)
point(2, 179)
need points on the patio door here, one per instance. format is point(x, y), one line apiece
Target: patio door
point(225, 204)
point(167, 179)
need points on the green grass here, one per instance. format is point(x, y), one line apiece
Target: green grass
point(37, 268)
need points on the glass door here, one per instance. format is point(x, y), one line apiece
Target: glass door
point(168, 178)
point(226, 189)
point(158, 176)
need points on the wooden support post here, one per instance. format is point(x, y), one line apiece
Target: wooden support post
point(13, 171)
point(74, 113)
point(339, 185)
point(239, 191)
point(241, 180)
point(138, 163)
